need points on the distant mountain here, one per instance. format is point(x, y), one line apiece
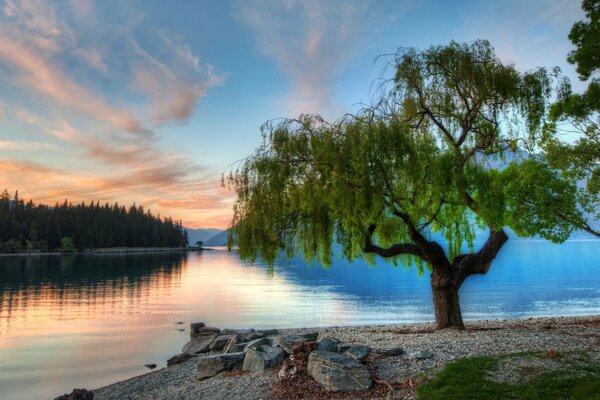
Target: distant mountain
point(202, 234)
point(218, 240)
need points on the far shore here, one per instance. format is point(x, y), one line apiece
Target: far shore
point(109, 250)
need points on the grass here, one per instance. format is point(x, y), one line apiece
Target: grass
point(577, 378)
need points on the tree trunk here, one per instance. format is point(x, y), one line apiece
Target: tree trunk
point(447, 307)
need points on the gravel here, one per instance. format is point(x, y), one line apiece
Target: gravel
point(479, 338)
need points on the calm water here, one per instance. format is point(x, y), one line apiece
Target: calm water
point(86, 321)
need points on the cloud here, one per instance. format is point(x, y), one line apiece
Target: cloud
point(173, 89)
point(36, 73)
point(79, 74)
point(93, 58)
point(23, 145)
point(310, 41)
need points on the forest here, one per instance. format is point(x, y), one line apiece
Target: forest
point(29, 227)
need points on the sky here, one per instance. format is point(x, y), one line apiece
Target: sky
point(148, 102)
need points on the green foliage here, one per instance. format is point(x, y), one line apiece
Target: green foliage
point(425, 159)
point(580, 159)
point(467, 379)
point(585, 35)
point(67, 245)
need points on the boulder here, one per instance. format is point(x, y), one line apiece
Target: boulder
point(310, 336)
point(198, 344)
point(419, 355)
point(269, 332)
point(178, 359)
point(338, 372)
point(219, 342)
point(228, 331)
point(342, 347)
point(255, 343)
point(328, 344)
point(233, 344)
point(209, 366)
point(263, 358)
point(359, 352)
point(199, 329)
point(77, 394)
point(390, 352)
point(287, 342)
point(253, 335)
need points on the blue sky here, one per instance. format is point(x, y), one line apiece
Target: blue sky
point(148, 101)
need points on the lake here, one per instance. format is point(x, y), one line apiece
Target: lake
point(87, 321)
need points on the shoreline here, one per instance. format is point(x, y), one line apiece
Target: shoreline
point(482, 337)
point(109, 250)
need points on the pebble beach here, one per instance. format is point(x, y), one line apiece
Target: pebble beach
point(422, 349)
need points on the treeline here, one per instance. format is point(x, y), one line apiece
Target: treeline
point(29, 227)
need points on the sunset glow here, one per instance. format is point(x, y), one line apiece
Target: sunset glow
point(148, 103)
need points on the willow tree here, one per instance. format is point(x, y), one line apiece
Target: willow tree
point(424, 163)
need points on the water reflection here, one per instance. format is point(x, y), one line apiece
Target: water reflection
point(57, 288)
point(91, 320)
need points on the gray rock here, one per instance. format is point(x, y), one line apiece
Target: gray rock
point(255, 343)
point(209, 366)
point(236, 348)
point(219, 342)
point(199, 329)
point(150, 366)
point(263, 358)
point(269, 332)
point(338, 372)
point(178, 359)
point(359, 352)
point(342, 347)
point(195, 326)
point(198, 344)
point(328, 344)
point(287, 342)
point(419, 355)
point(310, 336)
point(253, 335)
point(77, 394)
point(390, 352)
point(228, 331)
point(232, 344)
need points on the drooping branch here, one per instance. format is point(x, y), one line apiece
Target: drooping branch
point(392, 251)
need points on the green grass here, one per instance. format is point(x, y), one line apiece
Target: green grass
point(578, 378)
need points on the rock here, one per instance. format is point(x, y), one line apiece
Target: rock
point(338, 372)
point(310, 336)
point(328, 344)
point(390, 352)
point(287, 342)
point(342, 347)
point(255, 343)
point(219, 342)
point(233, 344)
point(178, 359)
point(236, 348)
point(359, 352)
point(254, 335)
point(268, 332)
point(77, 394)
point(419, 355)
point(209, 366)
point(198, 329)
point(198, 344)
point(150, 366)
point(237, 331)
point(263, 358)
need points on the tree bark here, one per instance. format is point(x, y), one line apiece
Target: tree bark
point(447, 307)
